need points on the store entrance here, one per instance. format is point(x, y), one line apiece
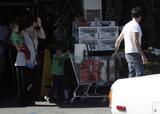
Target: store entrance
point(8, 13)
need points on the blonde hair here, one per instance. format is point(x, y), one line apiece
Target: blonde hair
point(13, 25)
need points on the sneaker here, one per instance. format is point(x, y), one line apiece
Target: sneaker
point(46, 98)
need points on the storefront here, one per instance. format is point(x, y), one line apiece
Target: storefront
point(48, 9)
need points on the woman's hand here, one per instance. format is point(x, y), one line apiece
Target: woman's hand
point(39, 22)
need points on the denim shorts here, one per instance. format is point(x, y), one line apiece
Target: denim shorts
point(135, 64)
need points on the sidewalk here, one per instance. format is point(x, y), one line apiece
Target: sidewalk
point(46, 108)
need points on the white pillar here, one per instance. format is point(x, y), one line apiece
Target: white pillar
point(92, 9)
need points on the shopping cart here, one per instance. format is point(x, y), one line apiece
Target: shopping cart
point(88, 73)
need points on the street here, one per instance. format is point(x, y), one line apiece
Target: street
point(47, 108)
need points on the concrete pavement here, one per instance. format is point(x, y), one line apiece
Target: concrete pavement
point(47, 108)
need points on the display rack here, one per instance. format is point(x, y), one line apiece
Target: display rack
point(101, 41)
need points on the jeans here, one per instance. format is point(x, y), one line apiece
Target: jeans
point(135, 64)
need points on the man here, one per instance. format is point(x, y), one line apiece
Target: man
point(3, 42)
point(132, 34)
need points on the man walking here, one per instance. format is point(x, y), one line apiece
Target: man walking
point(132, 34)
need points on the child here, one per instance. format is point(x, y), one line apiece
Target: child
point(18, 41)
point(57, 71)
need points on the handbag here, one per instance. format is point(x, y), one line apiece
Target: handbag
point(26, 52)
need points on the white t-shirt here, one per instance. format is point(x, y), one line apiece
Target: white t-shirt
point(20, 59)
point(128, 29)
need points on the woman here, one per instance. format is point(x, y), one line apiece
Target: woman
point(21, 59)
point(31, 35)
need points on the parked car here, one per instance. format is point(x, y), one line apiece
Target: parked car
point(139, 95)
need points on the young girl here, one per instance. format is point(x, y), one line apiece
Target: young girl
point(18, 41)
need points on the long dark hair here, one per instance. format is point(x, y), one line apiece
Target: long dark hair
point(30, 20)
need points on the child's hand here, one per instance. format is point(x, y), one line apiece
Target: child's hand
point(22, 33)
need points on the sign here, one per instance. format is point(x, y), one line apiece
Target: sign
point(99, 38)
point(110, 32)
point(88, 32)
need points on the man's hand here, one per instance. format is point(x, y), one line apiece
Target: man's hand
point(115, 55)
point(145, 60)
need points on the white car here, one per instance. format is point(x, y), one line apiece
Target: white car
point(139, 95)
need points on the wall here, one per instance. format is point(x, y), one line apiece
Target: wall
point(92, 8)
point(92, 4)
